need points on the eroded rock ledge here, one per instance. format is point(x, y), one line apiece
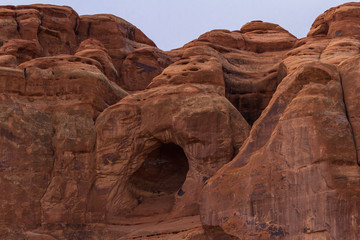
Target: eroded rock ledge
point(246, 134)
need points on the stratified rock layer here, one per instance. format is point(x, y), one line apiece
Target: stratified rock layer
point(246, 134)
point(48, 110)
point(297, 169)
point(250, 62)
point(297, 175)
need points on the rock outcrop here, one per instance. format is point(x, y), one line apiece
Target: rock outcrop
point(292, 172)
point(250, 61)
point(246, 134)
point(31, 31)
point(168, 141)
point(48, 107)
point(297, 174)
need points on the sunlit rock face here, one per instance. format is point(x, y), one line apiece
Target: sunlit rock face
point(246, 134)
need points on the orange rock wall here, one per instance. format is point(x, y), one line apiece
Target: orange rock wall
point(246, 134)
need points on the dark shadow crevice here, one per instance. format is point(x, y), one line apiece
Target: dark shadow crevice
point(158, 179)
point(348, 118)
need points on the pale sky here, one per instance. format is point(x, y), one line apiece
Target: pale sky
point(173, 23)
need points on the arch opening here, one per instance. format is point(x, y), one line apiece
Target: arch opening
point(158, 179)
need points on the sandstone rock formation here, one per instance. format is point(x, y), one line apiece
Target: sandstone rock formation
point(246, 134)
point(169, 141)
point(47, 30)
point(47, 131)
point(293, 171)
point(249, 60)
point(299, 163)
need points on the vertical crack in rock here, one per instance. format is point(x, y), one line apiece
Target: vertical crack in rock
point(17, 23)
point(77, 22)
point(88, 30)
point(348, 118)
point(52, 168)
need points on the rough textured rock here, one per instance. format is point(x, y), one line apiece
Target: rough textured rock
point(39, 30)
point(339, 21)
point(47, 131)
point(350, 76)
point(298, 164)
point(154, 152)
point(175, 156)
point(135, 57)
point(94, 49)
point(52, 26)
point(297, 174)
point(141, 66)
point(250, 60)
point(204, 70)
point(23, 50)
point(26, 159)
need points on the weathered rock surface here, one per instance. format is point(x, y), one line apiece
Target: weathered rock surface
point(350, 77)
point(135, 57)
point(48, 106)
point(168, 140)
point(94, 49)
point(250, 61)
point(141, 66)
point(299, 163)
point(247, 134)
point(39, 30)
point(23, 50)
point(339, 21)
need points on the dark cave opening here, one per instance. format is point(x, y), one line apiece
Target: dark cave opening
point(160, 176)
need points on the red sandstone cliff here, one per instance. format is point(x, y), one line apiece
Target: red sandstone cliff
point(249, 134)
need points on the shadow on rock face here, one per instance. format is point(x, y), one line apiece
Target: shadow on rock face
point(155, 148)
point(161, 175)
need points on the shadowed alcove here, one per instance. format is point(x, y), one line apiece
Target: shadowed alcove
point(158, 179)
